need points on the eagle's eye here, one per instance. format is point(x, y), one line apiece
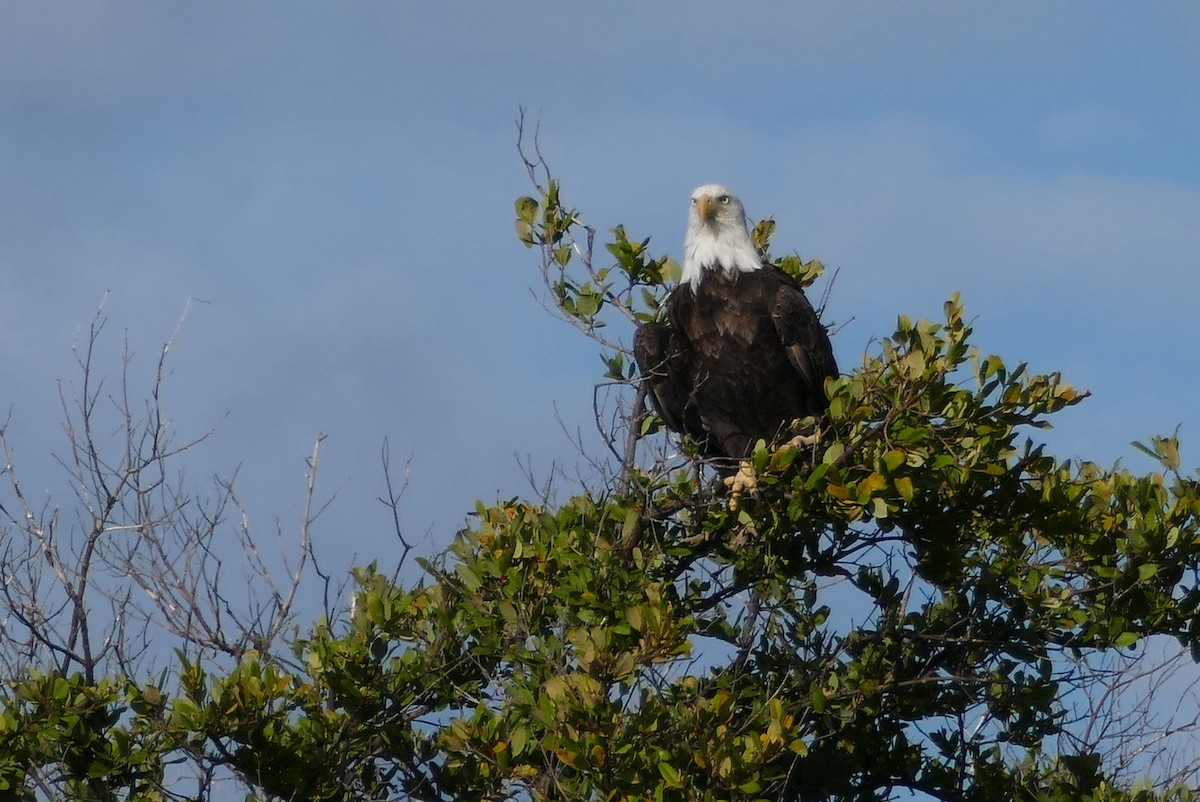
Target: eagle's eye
point(724, 199)
point(693, 201)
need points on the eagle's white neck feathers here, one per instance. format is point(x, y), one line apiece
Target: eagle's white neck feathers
point(716, 235)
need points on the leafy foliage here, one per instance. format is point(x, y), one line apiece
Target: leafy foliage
point(900, 608)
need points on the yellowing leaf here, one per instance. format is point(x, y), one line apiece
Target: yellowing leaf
point(875, 481)
point(555, 688)
point(879, 507)
point(634, 616)
point(571, 758)
point(912, 364)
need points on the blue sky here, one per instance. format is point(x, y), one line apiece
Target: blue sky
point(334, 182)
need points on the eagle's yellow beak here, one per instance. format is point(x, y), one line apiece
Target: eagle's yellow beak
point(708, 208)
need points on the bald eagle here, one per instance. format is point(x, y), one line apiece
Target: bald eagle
point(741, 354)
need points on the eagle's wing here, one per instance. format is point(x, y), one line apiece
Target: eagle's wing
point(657, 349)
point(804, 339)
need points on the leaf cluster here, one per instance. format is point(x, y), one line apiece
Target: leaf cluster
point(900, 609)
point(656, 644)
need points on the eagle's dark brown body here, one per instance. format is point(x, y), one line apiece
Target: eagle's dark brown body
point(736, 360)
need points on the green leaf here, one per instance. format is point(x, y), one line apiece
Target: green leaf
point(507, 610)
point(761, 235)
point(518, 740)
point(468, 577)
point(816, 697)
point(1126, 639)
point(527, 209)
point(670, 774)
point(632, 516)
point(893, 459)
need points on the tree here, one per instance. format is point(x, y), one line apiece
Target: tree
point(103, 593)
point(924, 602)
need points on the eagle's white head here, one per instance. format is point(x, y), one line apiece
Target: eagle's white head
point(716, 235)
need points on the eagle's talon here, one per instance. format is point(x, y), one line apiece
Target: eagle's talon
point(744, 481)
point(803, 441)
